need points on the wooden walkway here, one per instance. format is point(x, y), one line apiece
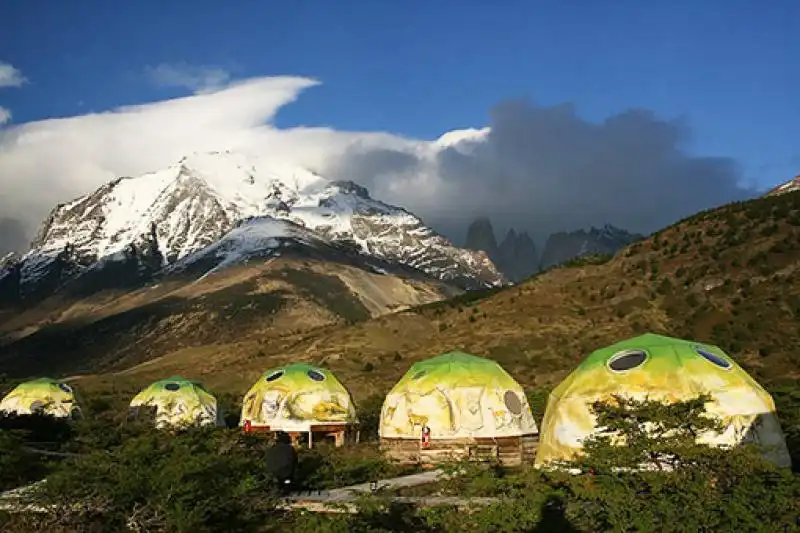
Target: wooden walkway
point(342, 500)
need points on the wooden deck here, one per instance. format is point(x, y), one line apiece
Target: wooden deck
point(342, 500)
point(510, 451)
point(341, 434)
point(347, 506)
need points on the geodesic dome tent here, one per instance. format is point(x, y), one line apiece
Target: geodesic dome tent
point(664, 369)
point(177, 402)
point(457, 405)
point(44, 395)
point(301, 400)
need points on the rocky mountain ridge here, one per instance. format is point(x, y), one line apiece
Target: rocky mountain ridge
point(517, 256)
point(563, 246)
point(162, 217)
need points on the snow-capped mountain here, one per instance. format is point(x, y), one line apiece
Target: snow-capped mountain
point(167, 215)
point(256, 237)
point(789, 186)
point(563, 246)
point(266, 237)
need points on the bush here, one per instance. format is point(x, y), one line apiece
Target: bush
point(19, 466)
point(211, 480)
point(198, 480)
point(326, 467)
point(369, 415)
point(705, 489)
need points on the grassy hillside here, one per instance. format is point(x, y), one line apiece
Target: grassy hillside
point(117, 329)
point(725, 276)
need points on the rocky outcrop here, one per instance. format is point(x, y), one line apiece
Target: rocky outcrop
point(515, 256)
point(563, 246)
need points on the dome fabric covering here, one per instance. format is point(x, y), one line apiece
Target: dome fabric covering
point(456, 395)
point(296, 397)
point(44, 395)
point(179, 402)
point(663, 369)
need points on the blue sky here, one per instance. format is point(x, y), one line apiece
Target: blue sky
point(422, 68)
point(729, 69)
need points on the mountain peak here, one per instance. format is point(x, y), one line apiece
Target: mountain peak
point(191, 204)
point(566, 245)
point(480, 236)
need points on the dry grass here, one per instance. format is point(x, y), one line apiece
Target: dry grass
point(726, 276)
point(245, 305)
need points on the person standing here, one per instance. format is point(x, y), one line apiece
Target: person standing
point(281, 459)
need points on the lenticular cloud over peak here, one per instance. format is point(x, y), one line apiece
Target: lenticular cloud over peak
point(50, 161)
point(534, 168)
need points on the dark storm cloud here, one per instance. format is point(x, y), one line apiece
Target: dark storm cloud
point(13, 236)
point(546, 169)
point(364, 165)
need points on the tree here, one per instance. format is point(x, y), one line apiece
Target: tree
point(644, 470)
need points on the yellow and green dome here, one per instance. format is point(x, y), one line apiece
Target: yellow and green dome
point(664, 369)
point(44, 395)
point(456, 395)
point(179, 402)
point(294, 397)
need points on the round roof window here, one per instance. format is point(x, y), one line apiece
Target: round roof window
point(418, 375)
point(65, 388)
point(627, 360)
point(512, 402)
point(274, 375)
point(172, 386)
point(713, 358)
point(315, 375)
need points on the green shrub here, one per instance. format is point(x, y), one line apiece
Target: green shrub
point(369, 413)
point(705, 488)
point(197, 480)
point(212, 480)
point(326, 467)
point(19, 466)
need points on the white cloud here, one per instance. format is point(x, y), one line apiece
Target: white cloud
point(46, 162)
point(10, 76)
point(198, 78)
point(5, 115)
point(537, 168)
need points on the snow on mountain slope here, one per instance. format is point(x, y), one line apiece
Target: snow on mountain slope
point(172, 213)
point(256, 237)
point(789, 186)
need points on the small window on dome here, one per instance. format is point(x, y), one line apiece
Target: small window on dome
point(275, 375)
point(65, 388)
point(315, 375)
point(627, 360)
point(172, 387)
point(512, 402)
point(713, 358)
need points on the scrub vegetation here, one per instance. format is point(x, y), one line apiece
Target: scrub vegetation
point(213, 480)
